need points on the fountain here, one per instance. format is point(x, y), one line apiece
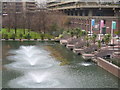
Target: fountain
point(28, 51)
point(31, 54)
point(37, 78)
point(31, 58)
point(45, 72)
point(34, 80)
point(27, 57)
point(86, 64)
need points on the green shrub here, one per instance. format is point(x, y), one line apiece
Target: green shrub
point(27, 36)
point(42, 36)
point(99, 44)
point(48, 36)
point(35, 36)
point(21, 35)
point(13, 36)
point(5, 36)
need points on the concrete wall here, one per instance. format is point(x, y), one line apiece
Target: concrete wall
point(108, 66)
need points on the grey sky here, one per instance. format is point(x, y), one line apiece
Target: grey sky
point(41, 0)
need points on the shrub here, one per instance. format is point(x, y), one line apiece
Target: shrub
point(35, 36)
point(13, 36)
point(48, 36)
point(27, 36)
point(99, 44)
point(21, 35)
point(42, 36)
point(5, 36)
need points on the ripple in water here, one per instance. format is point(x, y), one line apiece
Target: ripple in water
point(31, 58)
point(26, 50)
point(34, 80)
point(86, 64)
point(26, 66)
point(28, 57)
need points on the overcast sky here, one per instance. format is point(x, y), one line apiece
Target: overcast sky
point(41, 0)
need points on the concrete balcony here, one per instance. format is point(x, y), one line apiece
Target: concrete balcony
point(84, 6)
point(59, 3)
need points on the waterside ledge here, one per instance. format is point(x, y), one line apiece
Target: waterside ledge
point(108, 66)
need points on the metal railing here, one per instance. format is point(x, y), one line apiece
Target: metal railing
point(96, 17)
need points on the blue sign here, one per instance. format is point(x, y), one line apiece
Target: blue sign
point(114, 25)
point(93, 22)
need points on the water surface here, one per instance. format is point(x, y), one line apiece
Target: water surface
point(29, 65)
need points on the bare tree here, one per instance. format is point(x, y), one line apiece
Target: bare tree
point(42, 20)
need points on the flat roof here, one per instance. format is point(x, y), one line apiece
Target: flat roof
point(83, 0)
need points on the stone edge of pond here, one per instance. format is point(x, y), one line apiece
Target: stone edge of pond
point(113, 69)
point(29, 40)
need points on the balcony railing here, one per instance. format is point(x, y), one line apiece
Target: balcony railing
point(81, 5)
point(95, 17)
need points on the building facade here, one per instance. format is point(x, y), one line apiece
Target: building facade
point(18, 7)
point(17, 11)
point(81, 12)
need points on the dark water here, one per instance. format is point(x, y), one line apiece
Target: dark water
point(79, 74)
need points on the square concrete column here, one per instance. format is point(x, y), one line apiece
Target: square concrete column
point(83, 13)
point(90, 13)
point(78, 13)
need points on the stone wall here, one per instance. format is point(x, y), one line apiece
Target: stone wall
point(115, 70)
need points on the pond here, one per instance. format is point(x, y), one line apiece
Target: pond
point(30, 65)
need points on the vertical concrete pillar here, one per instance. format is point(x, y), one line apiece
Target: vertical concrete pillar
point(67, 12)
point(70, 13)
point(78, 13)
point(73, 12)
point(90, 13)
point(83, 13)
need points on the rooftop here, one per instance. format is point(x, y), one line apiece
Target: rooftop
point(83, 0)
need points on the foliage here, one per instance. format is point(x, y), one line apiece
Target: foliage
point(42, 36)
point(87, 38)
point(5, 36)
point(93, 38)
point(117, 32)
point(99, 44)
point(20, 34)
point(107, 38)
point(13, 36)
point(78, 32)
point(75, 32)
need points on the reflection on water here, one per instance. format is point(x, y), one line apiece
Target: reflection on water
point(30, 65)
point(85, 64)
